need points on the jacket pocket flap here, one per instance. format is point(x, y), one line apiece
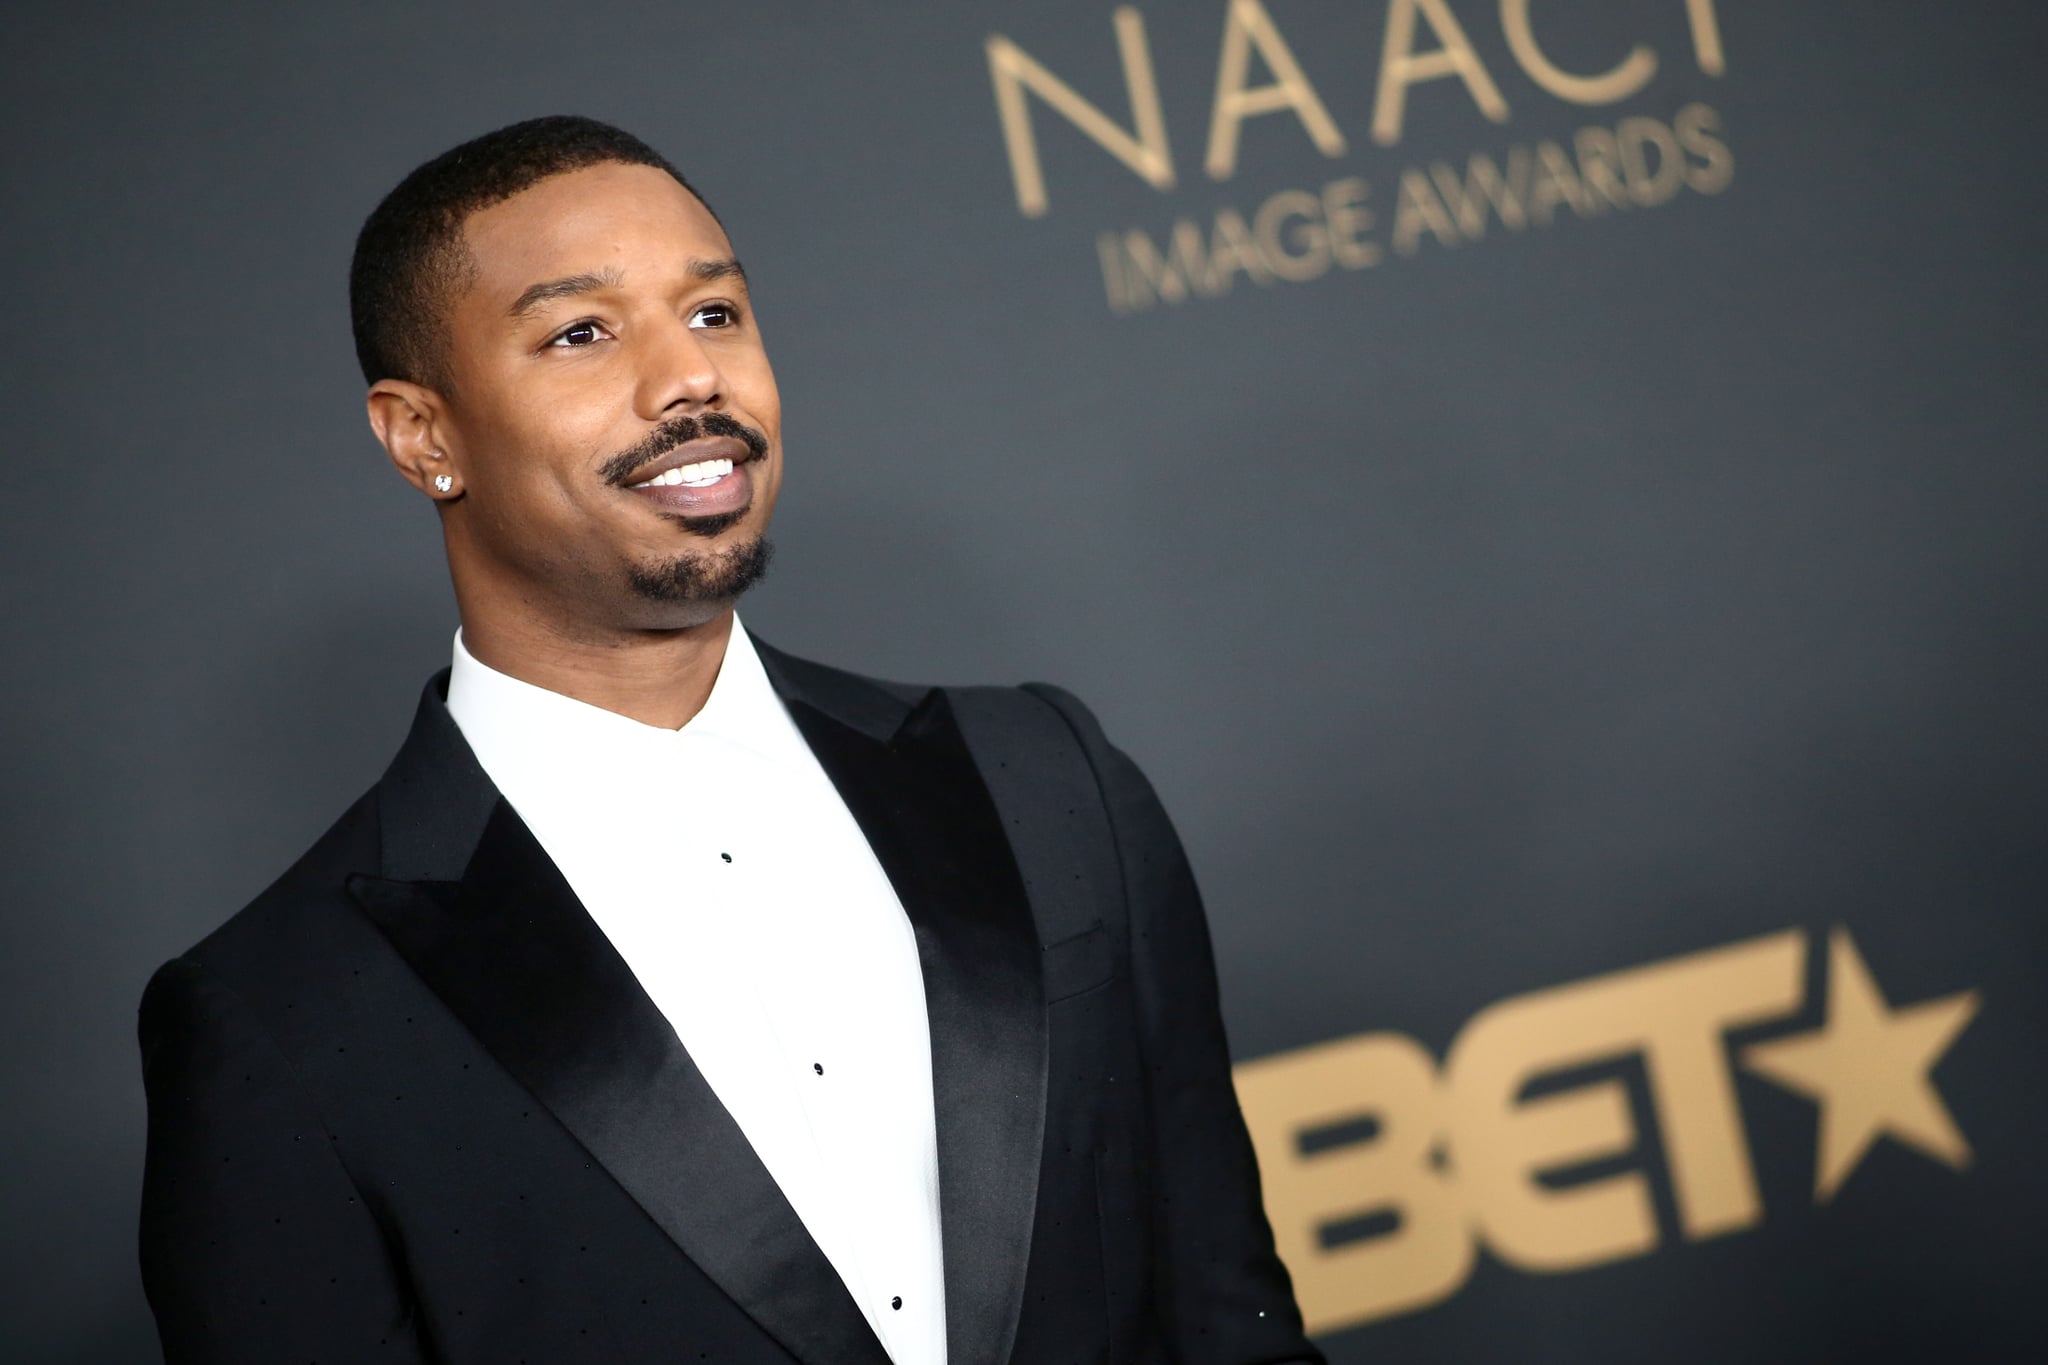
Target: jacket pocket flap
point(1078, 963)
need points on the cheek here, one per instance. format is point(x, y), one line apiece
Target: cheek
point(541, 453)
point(753, 385)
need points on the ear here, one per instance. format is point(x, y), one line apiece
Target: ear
point(408, 419)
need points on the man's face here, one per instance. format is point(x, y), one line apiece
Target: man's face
point(612, 412)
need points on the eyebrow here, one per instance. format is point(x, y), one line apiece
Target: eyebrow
point(590, 281)
point(721, 268)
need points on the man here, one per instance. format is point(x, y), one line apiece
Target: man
point(671, 998)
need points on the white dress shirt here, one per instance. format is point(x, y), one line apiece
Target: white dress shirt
point(725, 869)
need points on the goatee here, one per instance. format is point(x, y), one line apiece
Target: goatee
point(717, 576)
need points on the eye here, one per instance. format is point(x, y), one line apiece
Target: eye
point(579, 334)
point(714, 315)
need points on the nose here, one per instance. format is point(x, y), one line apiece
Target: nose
point(677, 373)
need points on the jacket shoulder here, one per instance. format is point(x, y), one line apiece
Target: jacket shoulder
point(302, 917)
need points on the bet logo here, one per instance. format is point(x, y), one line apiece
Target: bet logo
point(1432, 1163)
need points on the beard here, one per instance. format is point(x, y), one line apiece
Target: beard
point(711, 576)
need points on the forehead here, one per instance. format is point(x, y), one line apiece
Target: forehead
point(608, 216)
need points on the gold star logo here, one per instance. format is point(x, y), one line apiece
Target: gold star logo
point(1868, 1068)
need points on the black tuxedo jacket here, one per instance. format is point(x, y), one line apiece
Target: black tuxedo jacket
point(410, 1105)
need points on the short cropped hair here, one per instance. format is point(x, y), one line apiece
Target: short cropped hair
point(410, 257)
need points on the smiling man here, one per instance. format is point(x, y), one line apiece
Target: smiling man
point(669, 997)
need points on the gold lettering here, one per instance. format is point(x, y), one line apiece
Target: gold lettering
point(1401, 66)
point(1504, 1143)
point(1419, 208)
point(1013, 71)
point(1428, 1253)
point(1170, 277)
point(1269, 225)
point(1600, 166)
point(1297, 235)
point(1106, 248)
point(1231, 249)
point(1483, 186)
point(1246, 24)
point(1617, 84)
point(1344, 207)
point(1555, 180)
point(1706, 36)
point(1674, 1013)
point(1382, 1175)
point(1698, 127)
point(1683, 1007)
point(1647, 185)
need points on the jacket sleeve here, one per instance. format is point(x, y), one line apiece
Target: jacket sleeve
point(256, 1245)
point(1223, 1294)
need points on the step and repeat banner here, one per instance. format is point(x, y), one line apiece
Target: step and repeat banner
point(1551, 491)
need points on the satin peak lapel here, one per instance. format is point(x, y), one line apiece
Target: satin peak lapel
point(514, 955)
point(930, 820)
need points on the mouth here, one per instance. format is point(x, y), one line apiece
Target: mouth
point(708, 477)
point(702, 474)
point(702, 461)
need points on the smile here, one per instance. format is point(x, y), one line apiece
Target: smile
point(702, 474)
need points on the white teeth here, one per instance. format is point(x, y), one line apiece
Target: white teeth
point(700, 475)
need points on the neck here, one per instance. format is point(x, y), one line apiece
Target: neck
point(657, 677)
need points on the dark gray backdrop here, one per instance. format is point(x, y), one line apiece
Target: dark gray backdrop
point(1489, 619)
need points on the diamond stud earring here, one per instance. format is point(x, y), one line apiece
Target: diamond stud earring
point(443, 482)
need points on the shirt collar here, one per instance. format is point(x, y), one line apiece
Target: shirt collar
point(501, 715)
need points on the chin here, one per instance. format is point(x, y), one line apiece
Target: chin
point(710, 579)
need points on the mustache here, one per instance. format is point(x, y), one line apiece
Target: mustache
point(678, 431)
